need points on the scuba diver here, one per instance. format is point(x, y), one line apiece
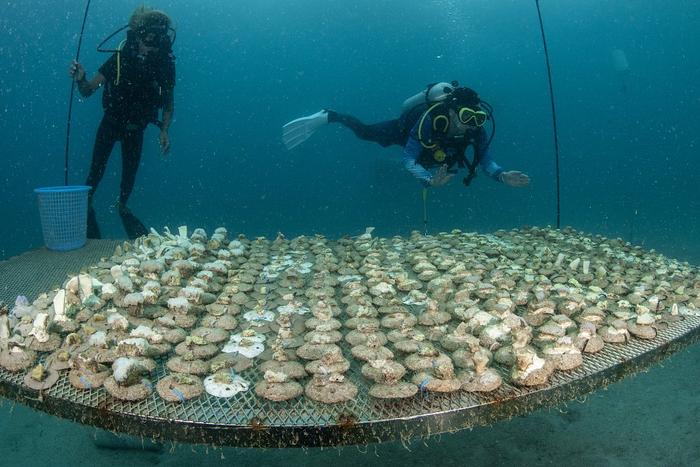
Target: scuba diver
point(435, 128)
point(138, 80)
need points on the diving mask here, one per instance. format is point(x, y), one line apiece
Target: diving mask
point(161, 37)
point(467, 115)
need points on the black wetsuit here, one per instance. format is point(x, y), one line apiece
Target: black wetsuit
point(387, 133)
point(134, 90)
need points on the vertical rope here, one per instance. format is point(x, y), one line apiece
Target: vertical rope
point(554, 112)
point(425, 210)
point(72, 92)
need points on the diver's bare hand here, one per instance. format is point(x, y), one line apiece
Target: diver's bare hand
point(515, 179)
point(441, 177)
point(164, 142)
point(76, 71)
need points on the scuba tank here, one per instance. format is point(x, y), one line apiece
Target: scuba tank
point(433, 93)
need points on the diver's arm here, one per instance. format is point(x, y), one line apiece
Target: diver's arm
point(410, 161)
point(489, 166)
point(512, 178)
point(411, 154)
point(168, 110)
point(167, 80)
point(88, 88)
point(85, 87)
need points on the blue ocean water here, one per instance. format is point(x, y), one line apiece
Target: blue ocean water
point(243, 70)
point(628, 140)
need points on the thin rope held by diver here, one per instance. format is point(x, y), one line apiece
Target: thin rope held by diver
point(72, 92)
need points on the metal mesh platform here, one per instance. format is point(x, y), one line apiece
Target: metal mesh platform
point(247, 420)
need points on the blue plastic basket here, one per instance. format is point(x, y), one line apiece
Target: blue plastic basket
point(63, 212)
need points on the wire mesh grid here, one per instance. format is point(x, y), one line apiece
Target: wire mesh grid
point(249, 420)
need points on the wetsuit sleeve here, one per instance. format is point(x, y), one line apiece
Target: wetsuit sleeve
point(167, 80)
point(168, 74)
point(489, 166)
point(411, 153)
point(109, 68)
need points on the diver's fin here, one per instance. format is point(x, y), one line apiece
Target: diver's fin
point(297, 131)
point(133, 226)
point(93, 229)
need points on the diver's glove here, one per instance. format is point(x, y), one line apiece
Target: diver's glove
point(515, 178)
point(441, 177)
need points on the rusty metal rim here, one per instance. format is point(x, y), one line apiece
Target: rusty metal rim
point(345, 432)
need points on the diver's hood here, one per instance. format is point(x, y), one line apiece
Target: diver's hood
point(463, 97)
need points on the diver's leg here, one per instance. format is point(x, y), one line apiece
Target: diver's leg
point(93, 228)
point(384, 133)
point(104, 143)
point(132, 145)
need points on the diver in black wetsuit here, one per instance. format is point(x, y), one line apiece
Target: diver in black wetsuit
point(138, 79)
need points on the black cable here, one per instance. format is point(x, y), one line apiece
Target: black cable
point(99, 47)
point(554, 112)
point(72, 92)
point(489, 108)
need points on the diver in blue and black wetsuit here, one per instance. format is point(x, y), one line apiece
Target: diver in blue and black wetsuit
point(435, 129)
